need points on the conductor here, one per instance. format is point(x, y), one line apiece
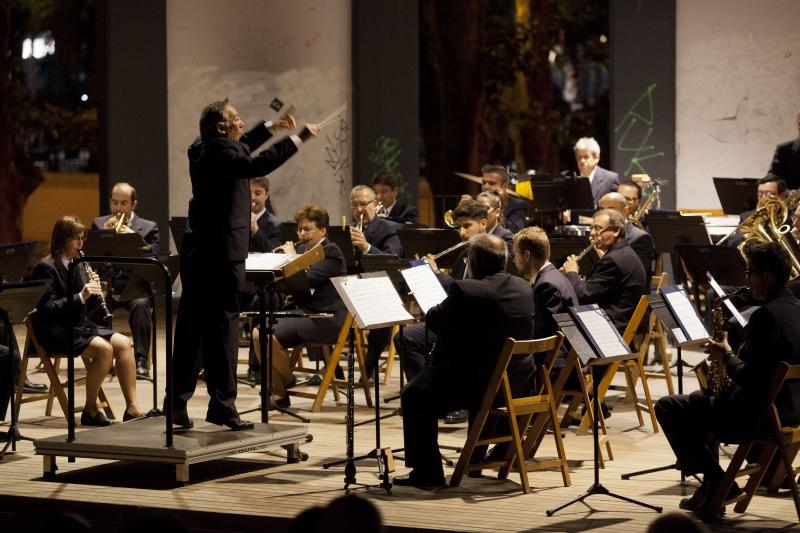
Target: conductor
point(212, 256)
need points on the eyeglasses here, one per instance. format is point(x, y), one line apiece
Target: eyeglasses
point(600, 229)
point(765, 194)
point(361, 204)
point(306, 229)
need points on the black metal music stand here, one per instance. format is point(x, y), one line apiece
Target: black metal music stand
point(724, 263)
point(16, 301)
point(592, 358)
point(418, 242)
point(669, 324)
point(736, 195)
point(382, 455)
point(14, 260)
point(107, 242)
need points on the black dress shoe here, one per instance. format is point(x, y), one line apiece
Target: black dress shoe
point(98, 420)
point(314, 380)
point(456, 417)
point(33, 388)
point(181, 418)
point(142, 372)
point(420, 480)
point(696, 500)
point(235, 423)
point(127, 417)
point(254, 376)
point(283, 403)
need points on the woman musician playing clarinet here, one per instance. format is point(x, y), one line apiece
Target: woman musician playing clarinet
point(312, 229)
point(98, 344)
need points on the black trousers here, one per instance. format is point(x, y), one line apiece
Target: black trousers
point(206, 332)
point(694, 425)
point(9, 363)
point(414, 348)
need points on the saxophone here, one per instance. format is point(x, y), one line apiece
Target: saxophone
point(711, 373)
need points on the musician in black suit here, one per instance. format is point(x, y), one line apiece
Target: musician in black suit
point(122, 205)
point(494, 303)
point(9, 362)
point(495, 225)
point(371, 234)
point(265, 227)
point(386, 187)
point(99, 345)
point(641, 241)
point(786, 161)
point(312, 228)
point(587, 157)
point(617, 281)
point(471, 218)
point(495, 179)
point(694, 423)
point(213, 254)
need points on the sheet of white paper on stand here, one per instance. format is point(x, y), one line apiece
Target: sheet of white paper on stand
point(732, 308)
point(373, 302)
point(679, 336)
point(425, 286)
point(685, 313)
point(603, 333)
point(257, 261)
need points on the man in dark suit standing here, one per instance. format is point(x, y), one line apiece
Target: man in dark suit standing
point(587, 157)
point(617, 281)
point(213, 254)
point(641, 241)
point(386, 187)
point(786, 161)
point(122, 205)
point(495, 179)
point(772, 335)
point(494, 303)
point(265, 228)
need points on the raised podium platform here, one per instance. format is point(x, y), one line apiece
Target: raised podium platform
point(143, 440)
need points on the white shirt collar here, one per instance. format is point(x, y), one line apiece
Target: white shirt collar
point(536, 275)
point(591, 175)
point(260, 213)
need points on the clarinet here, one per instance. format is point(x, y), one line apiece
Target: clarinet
point(87, 269)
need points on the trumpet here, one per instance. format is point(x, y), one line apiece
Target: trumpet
point(87, 269)
point(360, 225)
point(121, 221)
point(585, 251)
point(380, 211)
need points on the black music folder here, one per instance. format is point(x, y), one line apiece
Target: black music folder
point(107, 242)
point(178, 225)
point(736, 195)
point(559, 193)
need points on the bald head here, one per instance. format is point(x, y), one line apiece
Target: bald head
point(615, 201)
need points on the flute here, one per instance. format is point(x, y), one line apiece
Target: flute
point(451, 249)
point(585, 251)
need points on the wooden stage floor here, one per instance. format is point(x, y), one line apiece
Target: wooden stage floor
point(259, 491)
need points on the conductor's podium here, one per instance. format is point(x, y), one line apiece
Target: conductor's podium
point(143, 441)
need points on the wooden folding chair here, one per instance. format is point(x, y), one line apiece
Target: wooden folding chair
point(518, 412)
point(655, 336)
point(332, 359)
point(51, 364)
point(390, 357)
point(774, 437)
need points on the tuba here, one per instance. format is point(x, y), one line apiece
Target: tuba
point(766, 225)
point(711, 375)
point(449, 221)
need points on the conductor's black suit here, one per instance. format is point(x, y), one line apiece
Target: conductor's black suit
point(212, 263)
point(471, 326)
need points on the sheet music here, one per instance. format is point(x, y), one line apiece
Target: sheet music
point(267, 261)
point(732, 308)
point(687, 316)
point(603, 333)
point(424, 285)
point(372, 301)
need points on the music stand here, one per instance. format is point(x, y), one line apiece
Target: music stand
point(580, 332)
point(559, 193)
point(736, 195)
point(266, 282)
point(17, 300)
point(288, 231)
point(177, 225)
point(418, 242)
point(563, 247)
point(668, 229)
point(725, 263)
point(108, 243)
point(358, 294)
point(14, 259)
point(340, 236)
point(670, 325)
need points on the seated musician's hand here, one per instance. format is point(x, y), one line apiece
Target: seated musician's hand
point(126, 229)
point(566, 216)
point(571, 265)
point(110, 223)
point(253, 224)
point(92, 288)
point(359, 241)
point(717, 349)
point(432, 262)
